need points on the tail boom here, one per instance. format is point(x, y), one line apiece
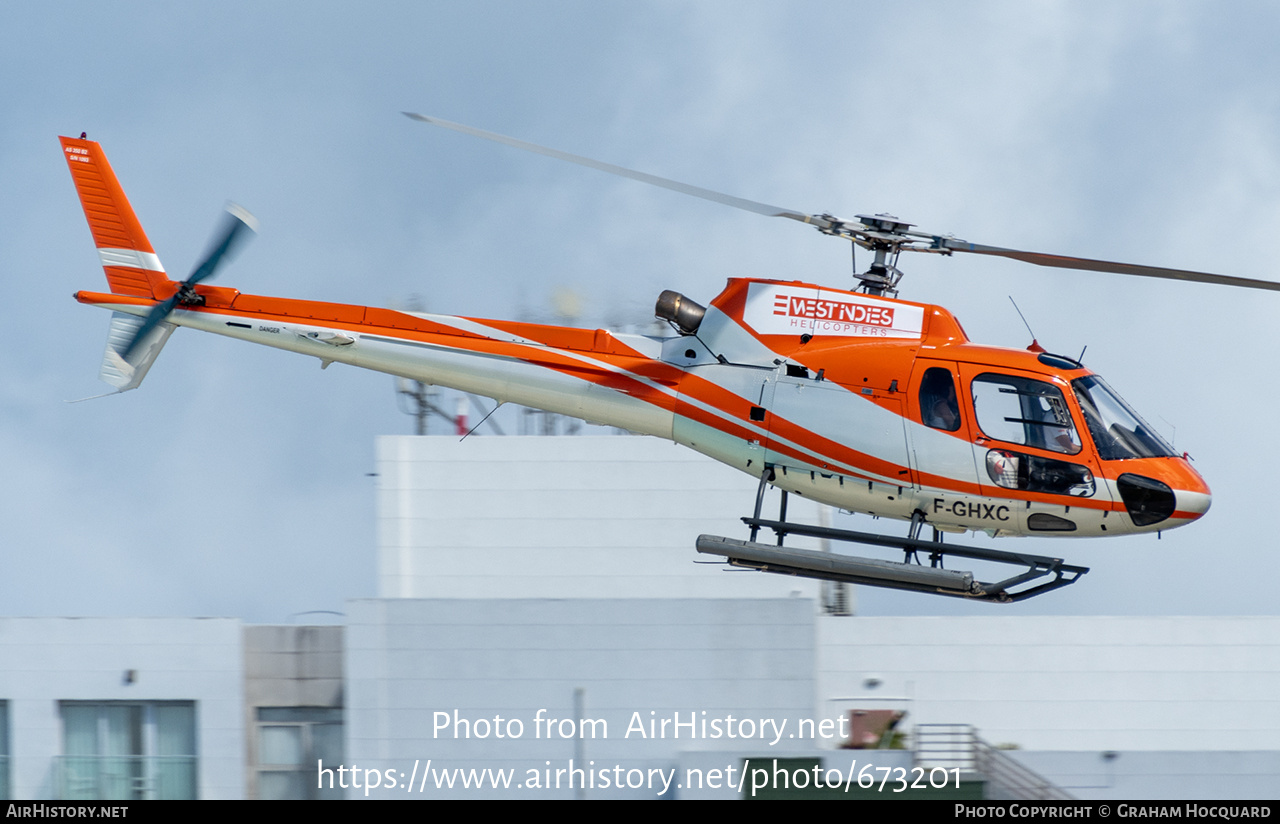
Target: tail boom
point(599, 377)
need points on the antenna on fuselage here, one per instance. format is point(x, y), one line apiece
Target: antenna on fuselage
point(1034, 344)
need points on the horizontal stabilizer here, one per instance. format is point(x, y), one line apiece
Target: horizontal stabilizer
point(128, 374)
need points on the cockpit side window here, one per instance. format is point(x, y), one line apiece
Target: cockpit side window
point(938, 405)
point(1024, 411)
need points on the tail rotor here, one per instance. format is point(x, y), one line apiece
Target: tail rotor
point(237, 224)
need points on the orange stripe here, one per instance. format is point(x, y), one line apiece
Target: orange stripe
point(725, 407)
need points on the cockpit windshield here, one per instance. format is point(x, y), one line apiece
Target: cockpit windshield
point(1117, 431)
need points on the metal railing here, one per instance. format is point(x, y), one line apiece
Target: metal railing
point(944, 745)
point(958, 746)
point(125, 777)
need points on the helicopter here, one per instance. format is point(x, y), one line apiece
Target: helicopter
point(853, 398)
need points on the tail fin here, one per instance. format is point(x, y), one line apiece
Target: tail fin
point(123, 374)
point(127, 374)
point(130, 263)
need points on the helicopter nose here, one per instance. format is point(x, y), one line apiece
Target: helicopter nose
point(1161, 494)
point(1192, 505)
point(1191, 493)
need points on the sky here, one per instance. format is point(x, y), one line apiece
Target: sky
point(236, 480)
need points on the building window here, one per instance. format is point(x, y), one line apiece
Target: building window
point(125, 750)
point(291, 742)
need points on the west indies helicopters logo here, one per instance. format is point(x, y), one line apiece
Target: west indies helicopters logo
point(793, 306)
point(778, 310)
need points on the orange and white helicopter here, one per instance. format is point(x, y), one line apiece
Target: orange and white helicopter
point(855, 399)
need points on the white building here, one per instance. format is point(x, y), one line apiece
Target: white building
point(488, 531)
point(110, 707)
point(563, 517)
point(541, 610)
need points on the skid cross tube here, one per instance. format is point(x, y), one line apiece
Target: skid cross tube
point(766, 478)
point(874, 572)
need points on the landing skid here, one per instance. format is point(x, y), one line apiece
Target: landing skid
point(910, 575)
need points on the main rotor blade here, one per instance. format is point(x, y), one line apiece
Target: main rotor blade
point(1065, 262)
point(870, 235)
point(235, 223)
point(653, 180)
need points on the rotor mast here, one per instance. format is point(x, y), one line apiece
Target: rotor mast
point(884, 239)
